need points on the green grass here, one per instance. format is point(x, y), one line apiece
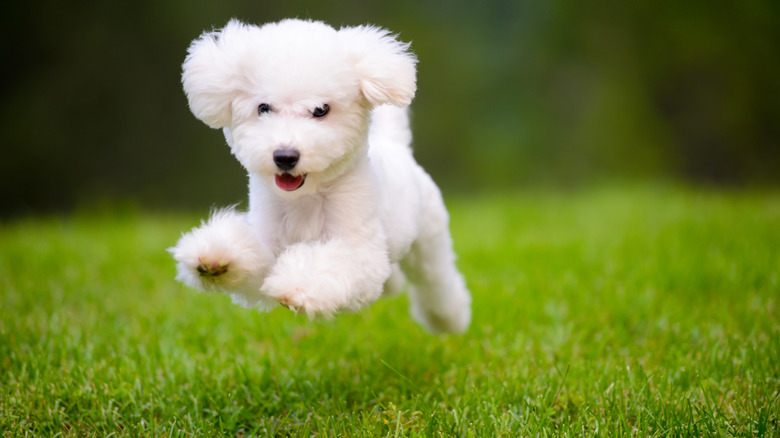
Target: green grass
point(638, 311)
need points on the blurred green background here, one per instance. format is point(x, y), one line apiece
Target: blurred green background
point(512, 94)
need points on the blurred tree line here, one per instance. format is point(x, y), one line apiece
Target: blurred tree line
point(511, 94)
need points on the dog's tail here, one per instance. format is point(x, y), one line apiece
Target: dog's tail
point(390, 128)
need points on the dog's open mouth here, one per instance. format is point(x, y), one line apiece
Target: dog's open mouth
point(289, 182)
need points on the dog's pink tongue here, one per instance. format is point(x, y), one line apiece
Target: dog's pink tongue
point(288, 182)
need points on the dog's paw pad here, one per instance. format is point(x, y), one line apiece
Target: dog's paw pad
point(212, 269)
point(300, 303)
point(284, 303)
point(294, 302)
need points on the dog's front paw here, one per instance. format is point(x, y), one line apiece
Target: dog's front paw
point(222, 255)
point(323, 278)
point(300, 299)
point(206, 264)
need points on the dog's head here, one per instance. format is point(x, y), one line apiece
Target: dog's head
point(294, 98)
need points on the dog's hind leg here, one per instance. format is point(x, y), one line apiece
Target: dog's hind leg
point(395, 284)
point(438, 295)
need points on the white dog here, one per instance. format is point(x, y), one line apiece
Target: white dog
point(339, 211)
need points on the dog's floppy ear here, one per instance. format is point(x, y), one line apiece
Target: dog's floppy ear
point(210, 74)
point(385, 65)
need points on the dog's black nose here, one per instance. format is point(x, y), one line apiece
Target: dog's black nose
point(286, 159)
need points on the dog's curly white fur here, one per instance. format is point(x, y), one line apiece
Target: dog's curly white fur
point(339, 211)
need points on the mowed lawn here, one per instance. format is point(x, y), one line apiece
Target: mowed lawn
point(641, 311)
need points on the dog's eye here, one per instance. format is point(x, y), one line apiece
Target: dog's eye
point(263, 108)
point(320, 111)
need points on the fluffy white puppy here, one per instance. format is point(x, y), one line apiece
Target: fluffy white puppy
point(339, 211)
